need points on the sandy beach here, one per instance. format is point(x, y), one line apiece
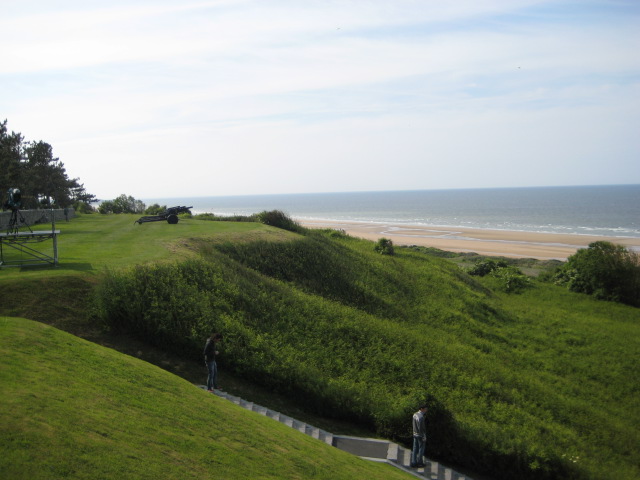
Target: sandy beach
point(505, 243)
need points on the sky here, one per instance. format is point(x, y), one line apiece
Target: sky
point(163, 99)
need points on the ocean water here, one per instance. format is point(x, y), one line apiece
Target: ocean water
point(588, 210)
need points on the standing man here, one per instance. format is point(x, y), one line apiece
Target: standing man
point(419, 437)
point(210, 353)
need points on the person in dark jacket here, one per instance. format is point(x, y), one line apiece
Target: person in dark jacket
point(419, 437)
point(210, 353)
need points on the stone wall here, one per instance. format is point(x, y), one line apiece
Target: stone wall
point(36, 217)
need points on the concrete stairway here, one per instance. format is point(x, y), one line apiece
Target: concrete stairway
point(366, 448)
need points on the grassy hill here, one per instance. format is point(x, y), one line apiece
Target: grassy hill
point(537, 385)
point(73, 409)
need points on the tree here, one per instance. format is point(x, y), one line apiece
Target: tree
point(122, 204)
point(155, 209)
point(46, 182)
point(32, 168)
point(607, 271)
point(10, 159)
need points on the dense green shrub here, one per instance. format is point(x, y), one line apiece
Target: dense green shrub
point(165, 304)
point(122, 204)
point(509, 279)
point(279, 219)
point(604, 270)
point(155, 209)
point(486, 266)
point(336, 233)
point(384, 246)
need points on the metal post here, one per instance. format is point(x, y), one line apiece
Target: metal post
point(55, 237)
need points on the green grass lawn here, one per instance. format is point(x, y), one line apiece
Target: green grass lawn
point(91, 243)
point(73, 409)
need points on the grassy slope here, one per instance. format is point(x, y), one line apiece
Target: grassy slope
point(548, 372)
point(73, 409)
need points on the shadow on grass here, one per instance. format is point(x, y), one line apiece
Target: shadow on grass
point(77, 267)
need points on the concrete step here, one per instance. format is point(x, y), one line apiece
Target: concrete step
point(368, 448)
point(325, 437)
point(300, 426)
point(312, 431)
point(273, 415)
point(288, 421)
point(260, 409)
point(362, 447)
point(404, 456)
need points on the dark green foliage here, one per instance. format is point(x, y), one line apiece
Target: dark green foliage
point(32, 168)
point(384, 246)
point(166, 304)
point(83, 207)
point(279, 219)
point(511, 279)
point(485, 267)
point(607, 271)
point(155, 209)
point(516, 384)
point(122, 204)
point(508, 278)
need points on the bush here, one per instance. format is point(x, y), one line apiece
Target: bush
point(604, 270)
point(485, 267)
point(336, 233)
point(279, 219)
point(155, 209)
point(122, 204)
point(511, 279)
point(384, 247)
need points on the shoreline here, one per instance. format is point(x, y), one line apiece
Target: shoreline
point(504, 243)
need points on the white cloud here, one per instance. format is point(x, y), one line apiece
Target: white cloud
point(331, 92)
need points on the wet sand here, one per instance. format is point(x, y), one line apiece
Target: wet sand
point(544, 246)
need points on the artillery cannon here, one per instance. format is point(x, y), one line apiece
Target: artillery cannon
point(170, 215)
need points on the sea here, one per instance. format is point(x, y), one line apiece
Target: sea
point(605, 210)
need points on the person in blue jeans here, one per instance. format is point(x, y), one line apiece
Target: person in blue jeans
point(210, 354)
point(419, 437)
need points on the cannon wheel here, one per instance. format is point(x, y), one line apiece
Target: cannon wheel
point(172, 219)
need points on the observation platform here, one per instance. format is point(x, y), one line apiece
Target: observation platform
point(20, 241)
